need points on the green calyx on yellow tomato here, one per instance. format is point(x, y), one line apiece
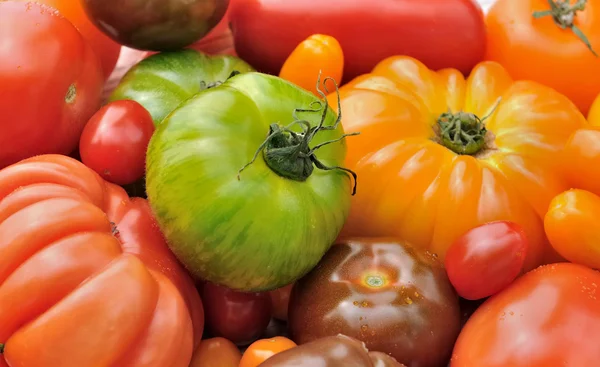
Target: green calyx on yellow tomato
point(267, 228)
point(163, 81)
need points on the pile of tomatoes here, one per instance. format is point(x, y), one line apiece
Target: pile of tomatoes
point(299, 183)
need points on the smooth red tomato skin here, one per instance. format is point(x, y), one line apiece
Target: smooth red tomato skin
point(454, 37)
point(486, 259)
point(51, 82)
point(548, 317)
point(114, 141)
point(280, 301)
point(237, 316)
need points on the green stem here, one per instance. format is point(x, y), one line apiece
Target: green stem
point(288, 153)
point(563, 14)
point(462, 132)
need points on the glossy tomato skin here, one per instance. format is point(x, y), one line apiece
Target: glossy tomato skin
point(263, 349)
point(330, 351)
point(572, 226)
point(216, 352)
point(237, 316)
point(549, 316)
point(246, 232)
point(373, 290)
point(393, 27)
point(513, 35)
point(46, 100)
point(91, 272)
point(105, 48)
point(162, 81)
point(514, 177)
point(155, 25)
point(486, 259)
point(581, 156)
point(115, 139)
point(280, 301)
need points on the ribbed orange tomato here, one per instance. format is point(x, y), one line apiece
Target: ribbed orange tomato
point(439, 155)
point(85, 275)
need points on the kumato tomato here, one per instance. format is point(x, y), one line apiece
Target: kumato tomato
point(247, 181)
point(51, 82)
point(548, 317)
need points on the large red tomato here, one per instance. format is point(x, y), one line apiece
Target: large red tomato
point(85, 274)
point(50, 82)
point(440, 33)
point(105, 48)
point(548, 317)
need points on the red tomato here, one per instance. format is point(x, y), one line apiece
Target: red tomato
point(105, 48)
point(114, 141)
point(280, 300)
point(440, 33)
point(548, 317)
point(51, 82)
point(216, 352)
point(486, 259)
point(263, 349)
point(237, 316)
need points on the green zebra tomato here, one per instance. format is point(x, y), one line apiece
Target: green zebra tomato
point(266, 226)
point(164, 80)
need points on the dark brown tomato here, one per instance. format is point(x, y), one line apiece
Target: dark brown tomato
point(395, 298)
point(155, 25)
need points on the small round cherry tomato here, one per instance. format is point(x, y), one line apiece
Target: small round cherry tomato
point(571, 225)
point(316, 54)
point(263, 349)
point(238, 316)
point(280, 300)
point(486, 259)
point(216, 352)
point(115, 139)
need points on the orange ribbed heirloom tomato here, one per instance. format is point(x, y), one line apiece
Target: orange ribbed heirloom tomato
point(439, 155)
point(85, 275)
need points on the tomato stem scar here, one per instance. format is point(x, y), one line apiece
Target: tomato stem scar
point(1, 348)
point(563, 14)
point(288, 153)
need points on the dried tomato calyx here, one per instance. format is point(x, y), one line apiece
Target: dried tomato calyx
point(462, 132)
point(1, 348)
point(288, 153)
point(563, 13)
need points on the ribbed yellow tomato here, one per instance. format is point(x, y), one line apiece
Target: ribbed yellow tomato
point(439, 154)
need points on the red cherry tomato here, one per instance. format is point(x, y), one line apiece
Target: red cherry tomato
point(486, 259)
point(238, 316)
point(115, 139)
point(280, 300)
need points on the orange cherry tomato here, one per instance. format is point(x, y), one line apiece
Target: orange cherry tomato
point(439, 154)
point(572, 227)
point(539, 49)
point(317, 53)
point(263, 349)
point(594, 113)
point(216, 352)
point(581, 157)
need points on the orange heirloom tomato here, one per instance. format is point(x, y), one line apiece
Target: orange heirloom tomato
point(594, 113)
point(538, 48)
point(85, 274)
point(317, 53)
point(263, 349)
point(438, 155)
point(216, 352)
point(572, 227)
point(581, 157)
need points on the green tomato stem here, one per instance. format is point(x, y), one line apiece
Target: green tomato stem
point(563, 14)
point(288, 153)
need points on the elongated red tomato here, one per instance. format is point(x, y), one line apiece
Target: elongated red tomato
point(50, 82)
point(440, 33)
point(85, 274)
point(486, 259)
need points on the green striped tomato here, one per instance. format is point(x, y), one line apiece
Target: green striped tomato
point(268, 225)
point(164, 80)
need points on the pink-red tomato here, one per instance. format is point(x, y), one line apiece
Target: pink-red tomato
point(548, 317)
point(50, 82)
point(486, 259)
point(238, 316)
point(115, 139)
